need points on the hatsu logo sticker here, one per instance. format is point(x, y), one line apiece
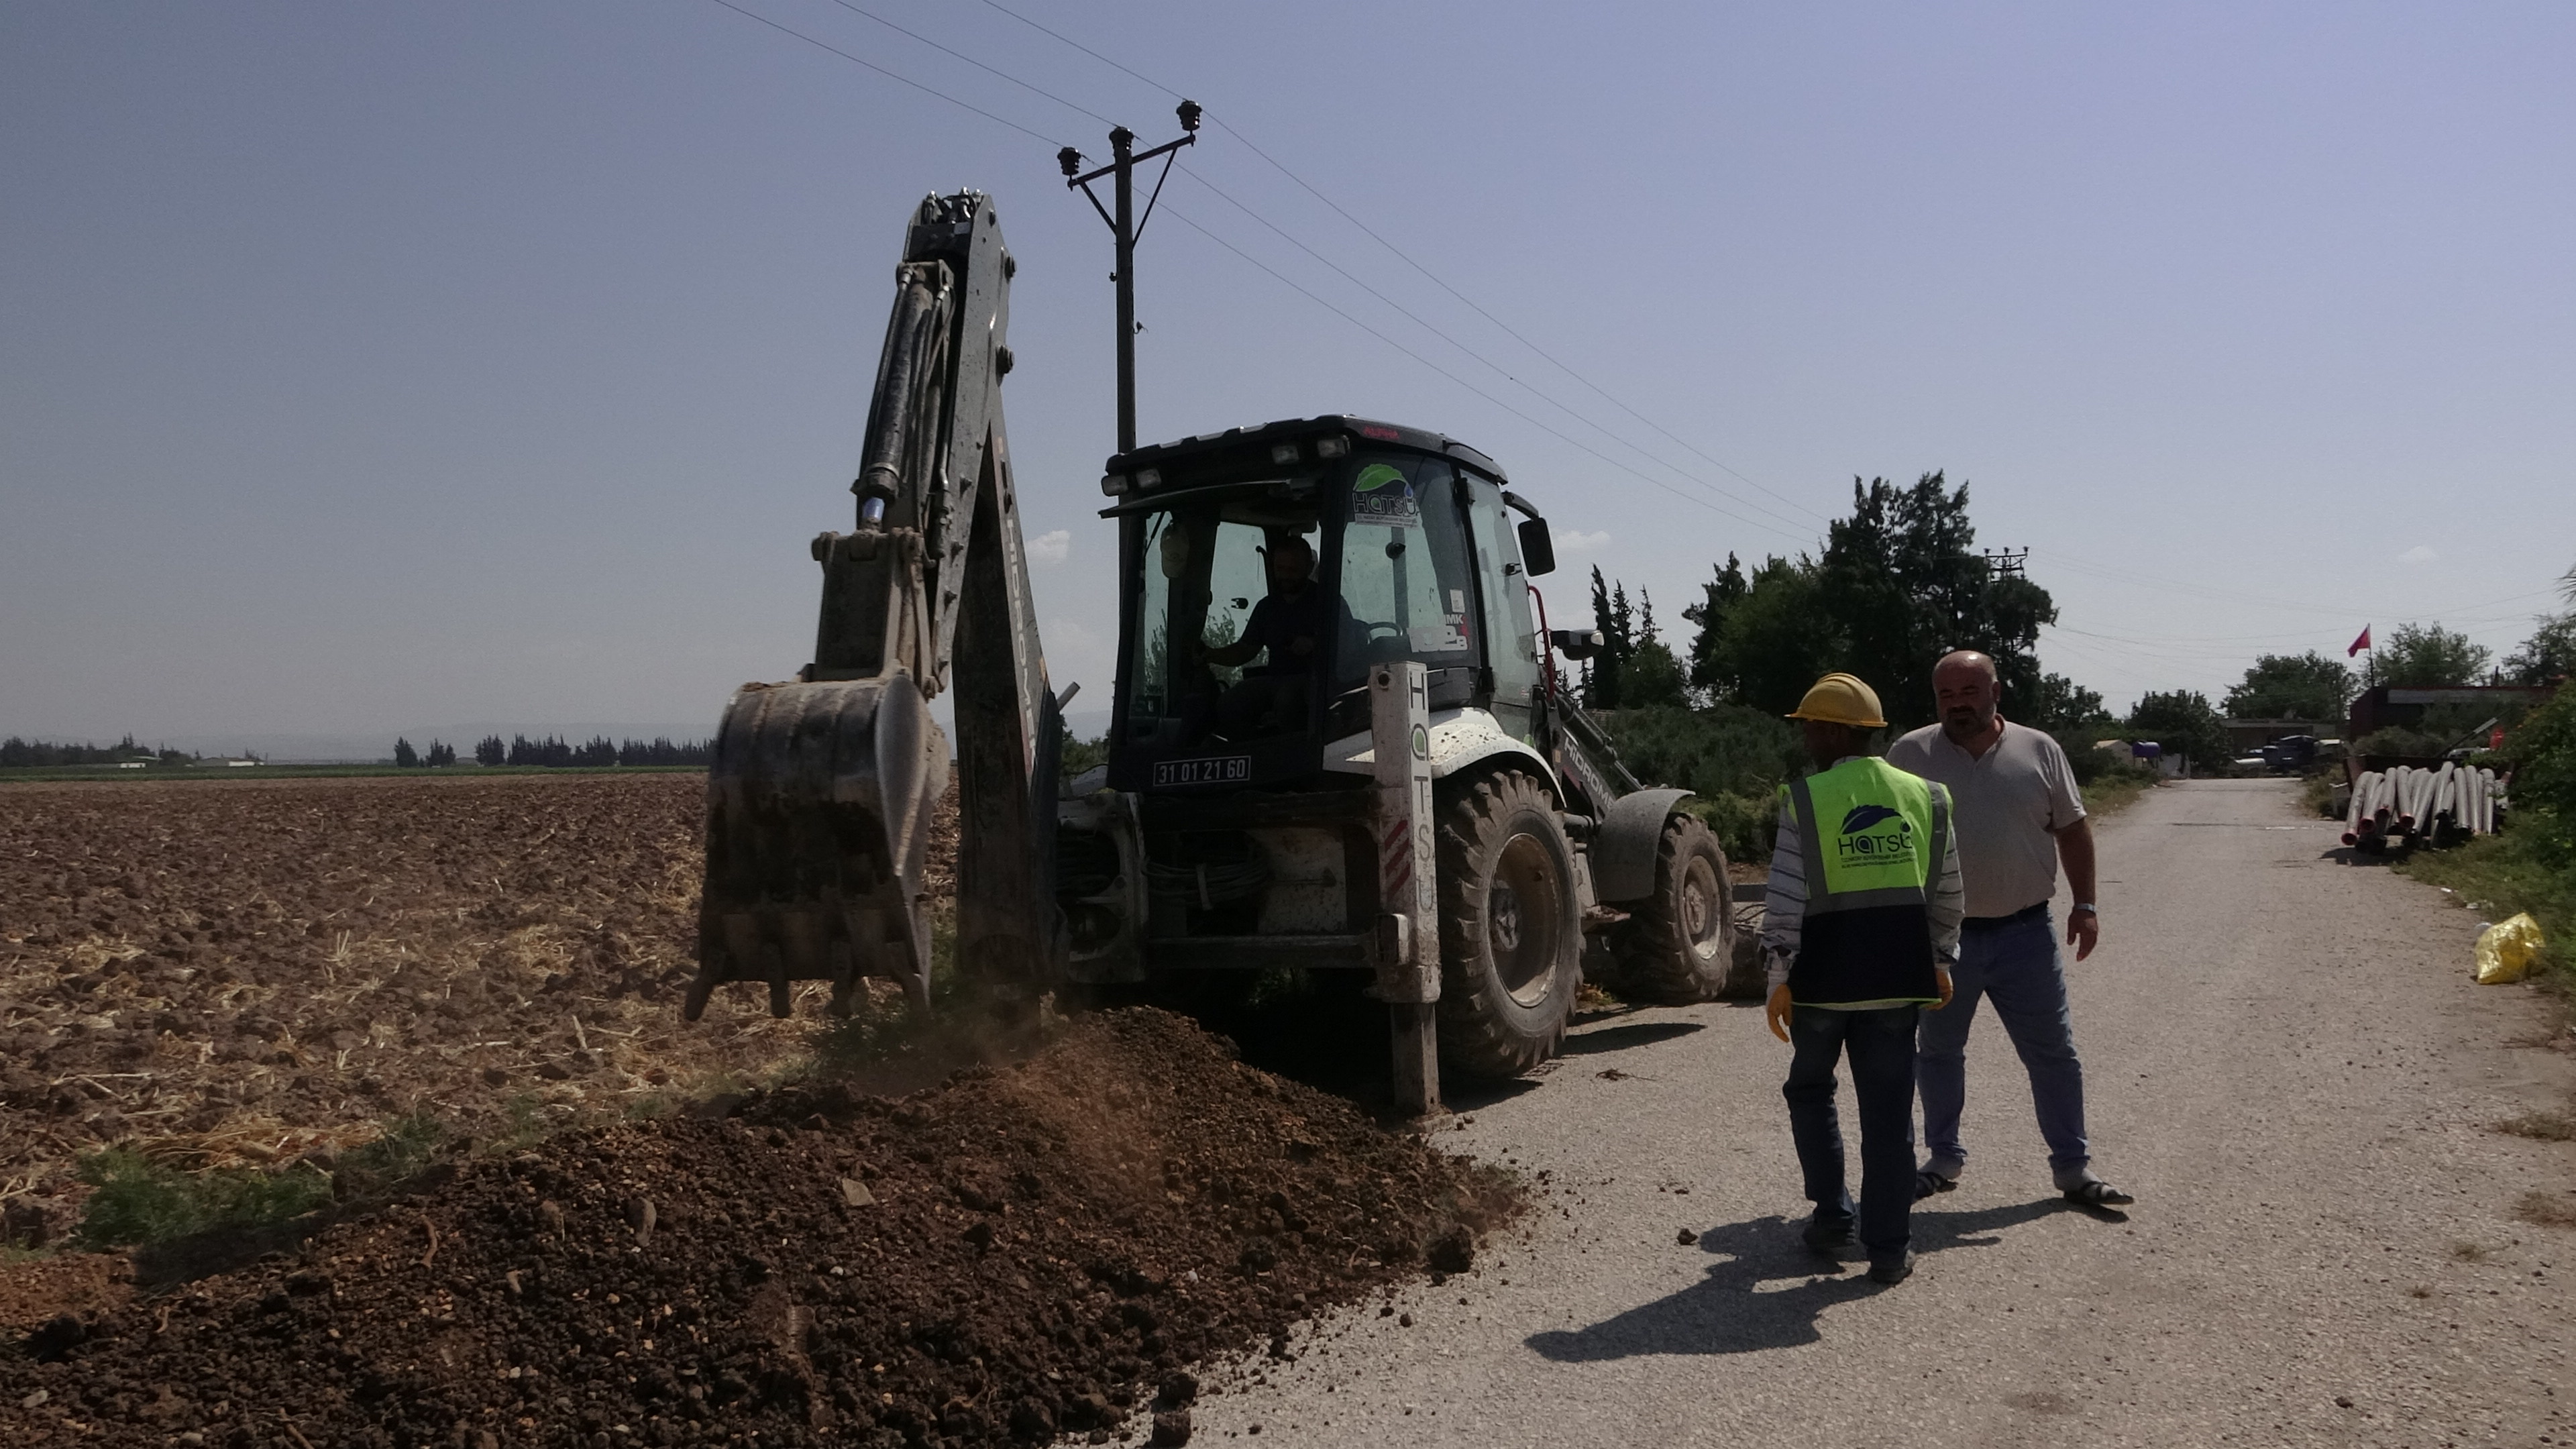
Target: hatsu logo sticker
point(1864, 843)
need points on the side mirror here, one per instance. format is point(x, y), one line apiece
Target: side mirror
point(1537, 549)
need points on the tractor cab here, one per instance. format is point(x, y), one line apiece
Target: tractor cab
point(1266, 569)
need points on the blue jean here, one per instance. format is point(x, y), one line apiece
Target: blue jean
point(2017, 968)
point(1881, 1046)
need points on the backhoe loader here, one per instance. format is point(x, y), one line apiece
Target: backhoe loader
point(1336, 743)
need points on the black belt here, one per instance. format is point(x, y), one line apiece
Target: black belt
point(1997, 923)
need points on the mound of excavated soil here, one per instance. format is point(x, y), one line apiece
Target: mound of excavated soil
point(1028, 1250)
point(247, 971)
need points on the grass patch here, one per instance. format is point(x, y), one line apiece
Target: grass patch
point(2316, 792)
point(407, 1145)
point(2541, 1126)
point(2548, 1209)
point(2510, 873)
point(523, 1124)
point(2115, 792)
point(141, 1201)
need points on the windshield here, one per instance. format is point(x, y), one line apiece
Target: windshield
point(1404, 574)
point(1230, 618)
point(1258, 602)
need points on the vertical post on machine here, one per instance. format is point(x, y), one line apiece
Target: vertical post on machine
point(1408, 937)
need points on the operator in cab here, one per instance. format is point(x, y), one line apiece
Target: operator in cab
point(1291, 623)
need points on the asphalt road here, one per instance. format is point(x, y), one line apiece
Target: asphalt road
point(2288, 1063)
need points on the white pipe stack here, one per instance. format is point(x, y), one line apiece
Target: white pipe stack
point(2407, 802)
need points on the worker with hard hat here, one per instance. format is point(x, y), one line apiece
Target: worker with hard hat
point(1859, 929)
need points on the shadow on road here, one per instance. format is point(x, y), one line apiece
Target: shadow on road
point(1731, 1311)
point(1625, 1035)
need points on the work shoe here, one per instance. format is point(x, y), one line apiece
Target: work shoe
point(1932, 1179)
point(2083, 1189)
point(1894, 1270)
point(1830, 1240)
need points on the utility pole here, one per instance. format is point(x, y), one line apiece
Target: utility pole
point(2006, 563)
point(1127, 226)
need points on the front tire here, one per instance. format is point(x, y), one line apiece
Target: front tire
point(1511, 930)
point(1678, 945)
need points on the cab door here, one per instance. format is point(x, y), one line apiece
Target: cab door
point(1502, 587)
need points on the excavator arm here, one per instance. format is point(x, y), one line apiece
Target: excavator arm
point(821, 791)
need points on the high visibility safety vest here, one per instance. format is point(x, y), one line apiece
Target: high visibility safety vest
point(1873, 838)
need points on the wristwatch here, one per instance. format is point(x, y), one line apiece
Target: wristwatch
point(2083, 908)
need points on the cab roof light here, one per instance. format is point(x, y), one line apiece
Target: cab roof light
point(1283, 453)
point(1332, 447)
point(1113, 484)
point(1148, 478)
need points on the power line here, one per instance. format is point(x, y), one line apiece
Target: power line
point(1078, 45)
point(979, 65)
point(889, 75)
point(1401, 255)
point(1229, 246)
point(1573, 442)
point(1497, 368)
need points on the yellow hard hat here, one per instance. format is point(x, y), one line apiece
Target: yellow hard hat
point(1841, 699)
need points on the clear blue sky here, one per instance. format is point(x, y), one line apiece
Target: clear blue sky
point(370, 366)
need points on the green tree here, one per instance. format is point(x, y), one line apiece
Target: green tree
point(2308, 686)
point(1653, 678)
point(1779, 637)
point(2550, 652)
point(404, 755)
point(2059, 703)
point(1709, 667)
point(1897, 585)
point(2428, 656)
point(2183, 722)
point(2543, 749)
point(1617, 621)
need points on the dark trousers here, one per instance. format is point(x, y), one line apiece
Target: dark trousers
point(1881, 1046)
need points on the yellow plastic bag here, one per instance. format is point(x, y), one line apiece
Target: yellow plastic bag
point(2506, 950)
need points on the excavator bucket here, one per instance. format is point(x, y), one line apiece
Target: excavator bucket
point(819, 801)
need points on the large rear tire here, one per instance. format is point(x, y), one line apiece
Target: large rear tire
point(1511, 930)
point(1678, 945)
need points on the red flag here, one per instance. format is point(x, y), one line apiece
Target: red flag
point(2359, 644)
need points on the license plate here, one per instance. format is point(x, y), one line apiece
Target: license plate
point(1222, 770)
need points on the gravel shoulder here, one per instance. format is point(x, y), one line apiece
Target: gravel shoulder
point(2288, 1063)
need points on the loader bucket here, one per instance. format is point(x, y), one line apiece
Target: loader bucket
point(818, 822)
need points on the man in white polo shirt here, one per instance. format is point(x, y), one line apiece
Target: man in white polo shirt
point(2018, 815)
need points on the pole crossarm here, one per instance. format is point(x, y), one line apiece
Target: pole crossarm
point(1126, 226)
point(1086, 178)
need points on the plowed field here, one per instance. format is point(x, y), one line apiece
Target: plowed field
point(225, 972)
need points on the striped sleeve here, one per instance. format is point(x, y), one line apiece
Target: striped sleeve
point(1784, 905)
point(1949, 903)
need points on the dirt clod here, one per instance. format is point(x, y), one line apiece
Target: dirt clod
point(1453, 1250)
point(1171, 1429)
